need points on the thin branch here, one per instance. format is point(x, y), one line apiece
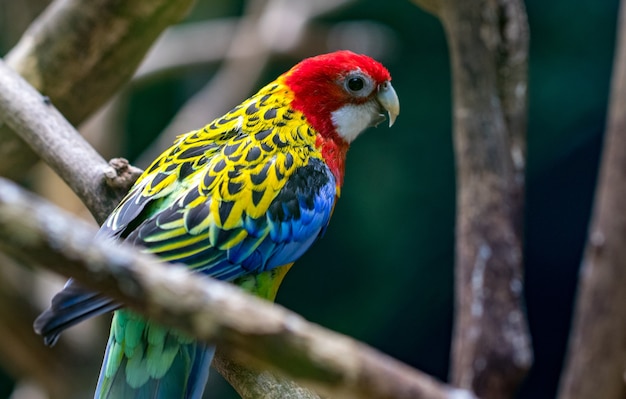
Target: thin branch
point(232, 82)
point(488, 43)
point(98, 184)
point(257, 384)
point(79, 53)
point(596, 364)
point(249, 328)
point(179, 46)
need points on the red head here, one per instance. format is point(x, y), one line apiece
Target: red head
point(325, 85)
point(341, 94)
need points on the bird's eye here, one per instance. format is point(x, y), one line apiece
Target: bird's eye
point(356, 84)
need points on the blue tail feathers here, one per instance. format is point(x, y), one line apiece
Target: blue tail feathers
point(69, 307)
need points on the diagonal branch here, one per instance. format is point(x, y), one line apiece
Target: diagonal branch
point(596, 364)
point(79, 53)
point(252, 383)
point(248, 328)
point(98, 184)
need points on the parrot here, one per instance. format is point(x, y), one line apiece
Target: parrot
point(239, 200)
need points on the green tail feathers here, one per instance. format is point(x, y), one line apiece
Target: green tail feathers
point(144, 360)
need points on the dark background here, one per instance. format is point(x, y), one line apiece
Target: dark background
point(384, 271)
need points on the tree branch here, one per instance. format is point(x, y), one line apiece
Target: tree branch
point(79, 53)
point(249, 328)
point(489, 49)
point(596, 364)
point(255, 384)
point(98, 184)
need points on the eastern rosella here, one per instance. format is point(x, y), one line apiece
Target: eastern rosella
point(239, 200)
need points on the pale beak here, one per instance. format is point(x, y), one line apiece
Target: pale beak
point(388, 98)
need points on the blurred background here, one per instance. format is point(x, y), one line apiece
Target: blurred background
point(384, 271)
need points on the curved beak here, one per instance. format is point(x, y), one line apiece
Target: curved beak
point(388, 98)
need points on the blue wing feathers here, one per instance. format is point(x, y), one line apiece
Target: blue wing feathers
point(294, 219)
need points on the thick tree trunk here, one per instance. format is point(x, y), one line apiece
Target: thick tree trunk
point(489, 48)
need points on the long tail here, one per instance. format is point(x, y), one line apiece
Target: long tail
point(69, 307)
point(144, 360)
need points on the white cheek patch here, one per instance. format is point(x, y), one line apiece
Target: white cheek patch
point(350, 120)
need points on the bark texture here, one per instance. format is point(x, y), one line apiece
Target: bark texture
point(488, 42)
point(261, 384)
point(97, 183)
point(78, 53)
